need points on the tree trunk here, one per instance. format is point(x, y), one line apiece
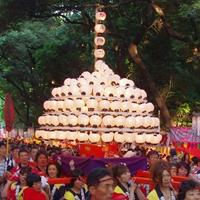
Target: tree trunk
point(154, 91)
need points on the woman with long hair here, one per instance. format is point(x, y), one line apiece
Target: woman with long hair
point(161, 176)
point(57, 191)
point(125, 188)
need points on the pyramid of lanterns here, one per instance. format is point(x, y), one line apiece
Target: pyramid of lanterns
point(100, 106)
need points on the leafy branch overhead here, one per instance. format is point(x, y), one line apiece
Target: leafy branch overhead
point(156, 43)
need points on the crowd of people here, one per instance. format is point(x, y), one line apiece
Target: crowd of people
point(25, 171)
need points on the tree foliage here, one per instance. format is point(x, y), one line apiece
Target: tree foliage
point(42, 42)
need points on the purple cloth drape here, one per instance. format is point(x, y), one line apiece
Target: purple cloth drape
point(88, 164)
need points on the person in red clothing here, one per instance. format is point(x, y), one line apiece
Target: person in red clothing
point(34, 192)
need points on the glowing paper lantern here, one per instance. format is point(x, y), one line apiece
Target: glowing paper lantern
point(71, 135)
point(104, 105)
point(129, 137)
point(79, 103)
point(95, 120)
point(107, 137)
point(100, 16)
point(140, 138)
point(119, 137)
point(99, 53)
point(83, 120)
point(94, 137)
point(149, 137)
point(69, 104)
point(99, 41)
point(120, 92)
point(92, 104)
point(83, 137)
point(115, 106)
point(108, 121)
point(61, 135)
point(73, 120)
point(100, 28)
point(120, 121)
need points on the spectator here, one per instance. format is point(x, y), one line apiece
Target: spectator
point(152, 157)
point(57, 191)
point(34, 192)
point(125, 187)
point(173, 169)
point(100, 185)
point(186, 158)
point(189, 190)
point(76, 189)
point(160, 173)
point(41, 162)
point(14, 190)
point(34, 150)
point(183, 169)
point(3, 163)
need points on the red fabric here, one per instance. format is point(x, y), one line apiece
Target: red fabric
point(9, 112)
point(11, 194)
point(117, 196)
point(31, 194)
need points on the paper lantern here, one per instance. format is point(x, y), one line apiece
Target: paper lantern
point(120, 92)
point(142, 108)
point(143, 94)
point(83, 137)
point(125, 106)
point(134, 107)
point(46, 105)
point(104, 105)
point(140, 138)
point(86, 90)
point(124, 82)
point(109, 91)
point(47, 119)
point(99, 53)
point(67, 81)
point(146, 122)
point(129, 93)
point(74, 90)
point(100, 16)
point(98, 90)
point(38, 133)
point(99, 65)
point(120, 121)
point(99, 41)
point(94, 137)
point(129, 137)
point(79, 103)
point(84, 109)
point(115, 106)
point(56, 92)
point(63, 120)
point(44, 134)
point(95, 120)
point(137, 93)
point(156, 121)
point(149, 107)
point(108, 121)
point(86, 75)
point(114, 80)
point(107, 137)
point(61, 135)
point(73, 120)
point(148, 137)
point(54, 120)
point(119, 137)
point(71, 135)
point(92, 81)
point(138, 121)
point(51, 135)
point(53, 105)
point(83, 120)
point(92, 104)
point(156, 139)
point(60, 105)
point(64, 90)
point(130, 122)
point(100, 28)
point(81, 82)
point(41, 120)
point(69, 104)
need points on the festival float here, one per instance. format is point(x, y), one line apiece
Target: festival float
point(98, 111)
